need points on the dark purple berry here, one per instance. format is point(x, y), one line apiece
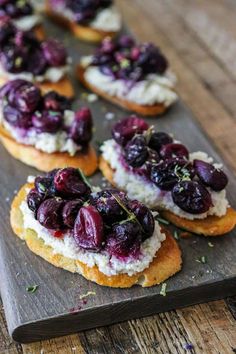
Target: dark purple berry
point(145, 218)
point(37, 63)
point(68, 182)
point(136, 151)
point(110, 210)
point(210, 176)
point(34, 199)
point(192, 197)
point(54, 52)
point(45, 186)
point(173, 150)
point(125, 129)
point(70, 211)
point(126, 41)
point(158, 139)
point(10, 87)
point(81, 129)
point(54, 102)
point(49, 213)
point(167, 173)
point(47, 121)
point(25, 97)
point(124, 239)
point(13, 59)
point(16, 118)
point(88, 229)
point(7, 30)
point(151, 59)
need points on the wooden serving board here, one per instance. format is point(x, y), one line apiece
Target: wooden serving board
point(56, 308)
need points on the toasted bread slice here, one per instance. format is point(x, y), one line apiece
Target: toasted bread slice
point(85, 160)
point(210, 226)
point(84, 33)
point(166, 263)
point(153, 110)
point(63, 87)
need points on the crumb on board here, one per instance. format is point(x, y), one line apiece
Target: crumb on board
point(89, 293)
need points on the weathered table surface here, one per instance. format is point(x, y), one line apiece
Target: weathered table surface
point(199, 38)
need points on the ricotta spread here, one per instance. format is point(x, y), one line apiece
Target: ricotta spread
point(49, 143)
point(152, 90)
point(26, 23)
point(107, 264)
point(148, 193)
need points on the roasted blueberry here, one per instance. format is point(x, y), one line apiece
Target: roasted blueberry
point(16, 118)
point(34, 199)
point(124, 130)
point(126, 41)
point(54, 102)
point(173, 150)
point(167, 173)
point(81, 129)
point(37, 64)
point(54, 52)
point(47, 121)
point(68, 182)
point(124, 238)
point(45, 186)
point(192, 197)
point(88, 229)
point(24, 97)
point(210, 176)
point(49, 213)
point(144, 217)
point(70, 211)
point(108, 206)
point(13, 58)
point(6, 31)
point(136, 151)
point(151, 59)
point(158, 139)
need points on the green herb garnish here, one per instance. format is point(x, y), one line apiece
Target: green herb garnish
point(202, 260)
point(163, 289)
point(176, 235)
point(162, 221)
point(210, 244)
point(84, 178)
point(32, 288)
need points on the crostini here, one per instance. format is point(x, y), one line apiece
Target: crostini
point(24, 16)
point(23, 56)
point(101, 235)
point(90, 21)
point(187, 188)
point(42, 130)
point(131, 75)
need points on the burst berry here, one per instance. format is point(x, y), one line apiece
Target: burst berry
point(34, 199)
point(158, 139)
point(47, 121)
point(49, 213)
point(70, 211)
point(81, 129)
point(173, 150)
point(145, 218)
point(54, 52)
point(124, 130)
point(210, 176)
point(68, 182)
point(136, 151)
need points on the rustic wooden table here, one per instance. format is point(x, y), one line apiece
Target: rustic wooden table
point(199, 38)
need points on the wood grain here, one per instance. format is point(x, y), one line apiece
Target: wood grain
point(201, 80)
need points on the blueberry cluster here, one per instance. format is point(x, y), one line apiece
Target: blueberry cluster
point(86, 10)
point(127, 60)
point(25, 107)
point(15, 8)
point(105, 220)
point(21, 51)
point(166, 163)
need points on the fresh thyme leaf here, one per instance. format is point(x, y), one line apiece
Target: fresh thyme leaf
point(32, 288)
point(202, 260)
point(163, 289)
point(84, 178)
point(176, 236)
point(42, 187)
point(210, 244)
point(131, 216)
point(162, 221)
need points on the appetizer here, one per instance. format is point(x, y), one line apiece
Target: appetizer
point(102, 235)
point(43, 131)
point(131, 75)
point(159, 171)
point(23, 56)
point(24, 16)
point(89, 20)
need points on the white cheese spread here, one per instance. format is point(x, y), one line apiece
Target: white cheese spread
point(152, 90)
point(148, 193)
point(107, 264)
point(26, 23)
point(47, 142)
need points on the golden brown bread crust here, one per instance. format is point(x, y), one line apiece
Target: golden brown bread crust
point(211, 226)
point(84, 33)
point(166, 263)
point(153, 110)
point(86, 160)
point(63, 87)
